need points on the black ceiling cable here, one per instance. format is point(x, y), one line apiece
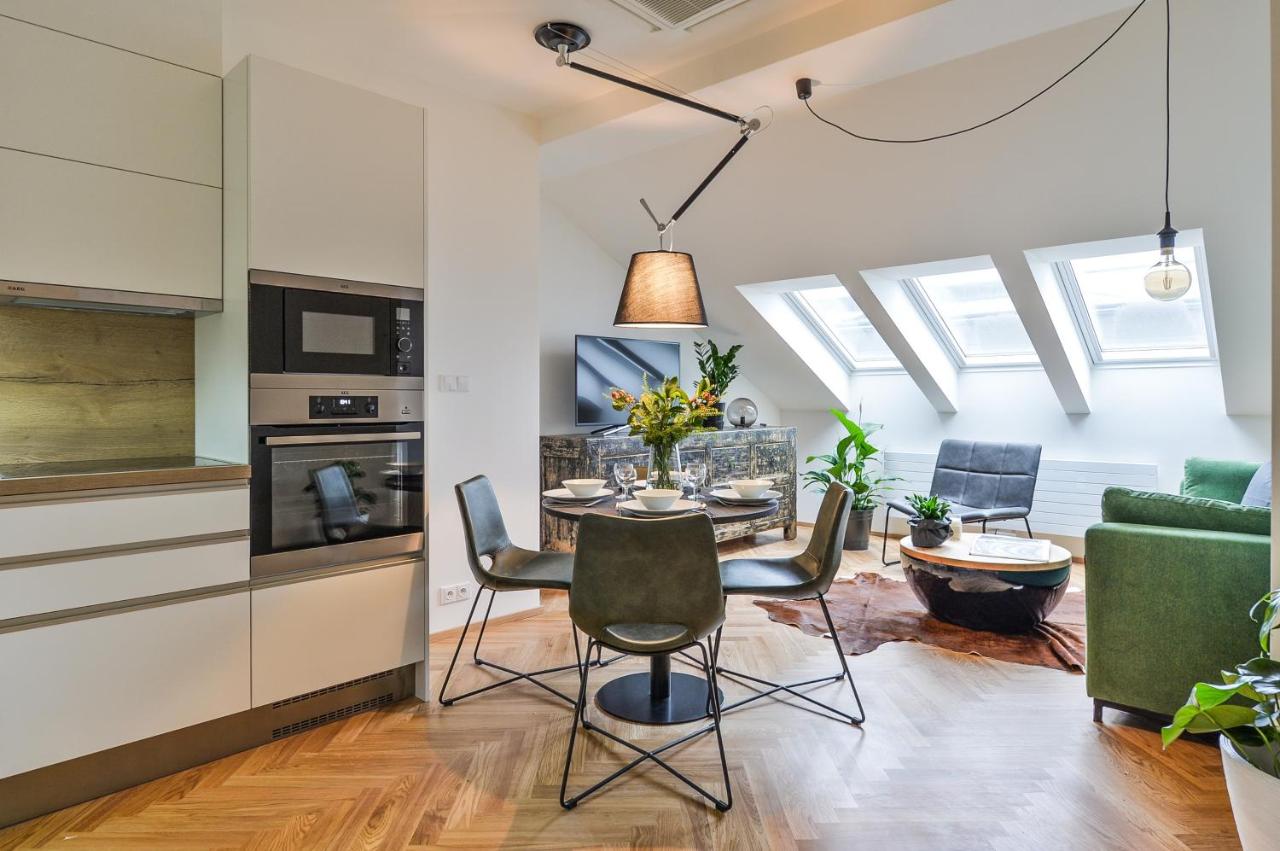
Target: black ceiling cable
point(804, 89)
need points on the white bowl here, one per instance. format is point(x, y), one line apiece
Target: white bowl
point(750, 488)
point(658, 499)
point(584, 487)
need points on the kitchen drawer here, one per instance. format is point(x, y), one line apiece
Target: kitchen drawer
point(315, 633)
point(64, 222)
point(83, 101)
point(51, 586)
point(86, 685)
point(48, 527)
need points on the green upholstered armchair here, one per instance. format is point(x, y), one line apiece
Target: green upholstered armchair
point(1169, 583)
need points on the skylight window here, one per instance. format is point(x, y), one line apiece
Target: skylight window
point(972, 316)
point(1120, 322)
point(835, 318)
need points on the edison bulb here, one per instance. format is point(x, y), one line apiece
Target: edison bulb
point(1168, 280)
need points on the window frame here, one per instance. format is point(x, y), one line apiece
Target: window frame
point(825, 335)
point(1083, 320)
point(933, 318)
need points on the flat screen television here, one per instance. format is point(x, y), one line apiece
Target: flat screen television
point(606, 362)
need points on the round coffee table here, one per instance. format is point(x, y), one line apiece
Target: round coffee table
point(660, 696)
point(985, 592)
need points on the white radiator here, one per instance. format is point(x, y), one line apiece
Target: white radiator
point(1068, 493)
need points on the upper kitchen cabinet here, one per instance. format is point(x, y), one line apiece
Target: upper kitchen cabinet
point(111, 157)
point(334, 176)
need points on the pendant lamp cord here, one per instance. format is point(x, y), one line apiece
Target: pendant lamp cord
point(1168, 109)
point(1026, 102)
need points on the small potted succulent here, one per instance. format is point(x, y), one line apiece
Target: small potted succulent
point(1244, 710)
point(931, 525)
point(858, 473)
point(718, 370)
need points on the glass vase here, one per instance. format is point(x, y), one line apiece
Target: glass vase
point(664, 462)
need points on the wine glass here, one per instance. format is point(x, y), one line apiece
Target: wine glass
point(696, 472)
point(625, 474)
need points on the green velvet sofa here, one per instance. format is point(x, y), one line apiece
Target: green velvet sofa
point(1169, 582)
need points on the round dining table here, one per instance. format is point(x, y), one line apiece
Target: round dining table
point(660, 696)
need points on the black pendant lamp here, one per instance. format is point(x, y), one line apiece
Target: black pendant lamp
point(1167, 280)
point(661, 289)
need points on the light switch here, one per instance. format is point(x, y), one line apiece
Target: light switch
point(455, 384)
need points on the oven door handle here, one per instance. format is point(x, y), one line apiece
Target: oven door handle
point(301, 439)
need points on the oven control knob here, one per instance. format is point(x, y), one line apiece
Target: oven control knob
point(404, 344)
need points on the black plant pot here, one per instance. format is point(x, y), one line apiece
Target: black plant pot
point(857, 535)
point(929, 533)
point(718, 420)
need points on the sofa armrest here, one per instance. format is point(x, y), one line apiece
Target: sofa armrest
point(1147, 508)
point(1168, 607)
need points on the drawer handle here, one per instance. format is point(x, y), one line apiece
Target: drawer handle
point(301, 439)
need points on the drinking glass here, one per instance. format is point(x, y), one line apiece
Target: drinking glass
point(625, 474)
point(696, 472)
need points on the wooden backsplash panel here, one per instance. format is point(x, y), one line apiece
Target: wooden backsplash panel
point(79, 385)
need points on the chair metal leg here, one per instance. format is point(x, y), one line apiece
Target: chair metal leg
point(984, 527)
point(1027, 521)
point(516, 676)
point(884, 541)
point(645, 755)
point(791, 688)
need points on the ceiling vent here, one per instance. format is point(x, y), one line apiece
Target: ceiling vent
point(677, 14)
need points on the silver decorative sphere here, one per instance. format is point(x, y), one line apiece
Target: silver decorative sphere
point(741, 413)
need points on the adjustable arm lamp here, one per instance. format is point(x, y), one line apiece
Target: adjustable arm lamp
point(661, 289)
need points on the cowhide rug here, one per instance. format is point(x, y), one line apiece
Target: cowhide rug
point(871, 609)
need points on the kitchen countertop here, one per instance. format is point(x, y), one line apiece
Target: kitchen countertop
point(63, 476)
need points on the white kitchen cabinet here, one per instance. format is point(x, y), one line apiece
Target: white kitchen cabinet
point(335, 178)
point(82, 686)
point(316, 633)
point(64, 222)
point(76, 99)
point(45, 586)
point(117, 519)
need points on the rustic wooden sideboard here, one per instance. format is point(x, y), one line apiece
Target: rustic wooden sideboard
point(735, 453)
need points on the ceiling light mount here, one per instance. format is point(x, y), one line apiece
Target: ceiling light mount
point(560, 36)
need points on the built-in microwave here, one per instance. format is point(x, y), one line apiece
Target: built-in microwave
point(305, 324)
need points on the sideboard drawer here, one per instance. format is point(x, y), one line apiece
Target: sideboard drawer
point(82, 686)
point(91, 522)
point(52, 586)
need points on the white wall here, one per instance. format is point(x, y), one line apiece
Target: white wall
point(482, 293)
point(1152, 416)
point(580, 284)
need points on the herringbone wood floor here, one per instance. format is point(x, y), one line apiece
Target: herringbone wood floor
point(958, 752)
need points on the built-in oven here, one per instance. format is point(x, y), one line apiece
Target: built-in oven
point(300, 324)
point(334, 494)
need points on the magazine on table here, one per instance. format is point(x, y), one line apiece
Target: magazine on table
point(1005, 546)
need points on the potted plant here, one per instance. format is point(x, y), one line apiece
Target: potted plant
point(719, 371)
point(856, 473)
point(931, 525)
point(662, 418)
point(1244, 710)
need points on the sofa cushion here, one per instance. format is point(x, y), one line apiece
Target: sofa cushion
point(1123, 505)
point(1213, 478)
point(1258, 494)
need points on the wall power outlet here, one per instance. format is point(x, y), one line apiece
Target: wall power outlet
point(456, 593)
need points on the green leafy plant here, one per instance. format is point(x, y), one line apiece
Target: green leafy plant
point(718, 369)
point(664, 416)
point(930, 507)
point(1245, 706)
point(857, 472)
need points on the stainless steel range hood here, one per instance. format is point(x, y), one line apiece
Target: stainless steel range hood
point(90, 298)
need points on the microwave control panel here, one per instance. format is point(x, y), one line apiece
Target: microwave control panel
point(340, 407)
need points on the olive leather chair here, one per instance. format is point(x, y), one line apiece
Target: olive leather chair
point(807, 576)
point(646, 587)
point(499, 565)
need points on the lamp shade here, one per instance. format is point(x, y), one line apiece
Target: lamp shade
point(661, 291)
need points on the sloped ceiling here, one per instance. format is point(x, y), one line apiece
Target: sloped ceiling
point(1082, 164)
